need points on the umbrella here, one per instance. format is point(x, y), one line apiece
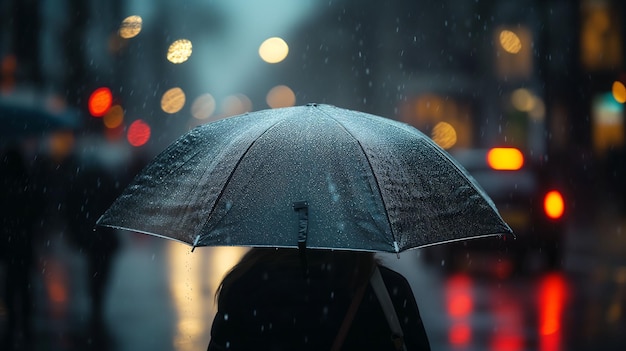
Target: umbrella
point(314, 176)
point(25, 117)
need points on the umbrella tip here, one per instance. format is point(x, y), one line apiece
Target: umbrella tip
point(397, 248)
point(195, 242)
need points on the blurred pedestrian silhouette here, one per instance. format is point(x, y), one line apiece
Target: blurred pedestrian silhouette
point(19, 207)
point(267, 302)
point(91, 191)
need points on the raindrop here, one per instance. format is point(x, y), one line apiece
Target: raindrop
point(225, 316)
point(228, 344)
point(443, 263)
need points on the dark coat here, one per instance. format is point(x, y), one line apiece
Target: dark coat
point(266, 310)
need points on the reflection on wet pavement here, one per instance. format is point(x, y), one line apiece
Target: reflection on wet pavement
point(161, 297)
point(193, 279)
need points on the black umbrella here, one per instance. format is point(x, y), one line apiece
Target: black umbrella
point(316, 176)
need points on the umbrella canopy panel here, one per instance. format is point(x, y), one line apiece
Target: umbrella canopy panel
point(370, 183)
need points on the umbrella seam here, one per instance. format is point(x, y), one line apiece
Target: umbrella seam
point(408, 129)
point(230, 176)
point(382, 198)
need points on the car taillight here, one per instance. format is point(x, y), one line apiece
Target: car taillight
point(505, 159)
point(553, 204)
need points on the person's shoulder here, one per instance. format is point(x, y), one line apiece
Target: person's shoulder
point(389, 273)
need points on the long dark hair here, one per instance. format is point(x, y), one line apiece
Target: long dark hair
point(353, 268)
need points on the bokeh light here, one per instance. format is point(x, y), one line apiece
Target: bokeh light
point(554, 205)
point(444, 135)
point(8, 68)
point(236, 105)
point(510, 42)
point(505, 159)
point(114, 117)
point(280, 96)
point(273, 50)
point(130, 27)
point(60, 144)
point(619, 91)
point(173, 100)
point(523, 100)
point(203, 107)
point(138, 133)
point(100, 101)
point(179, 51)
point(459, 305)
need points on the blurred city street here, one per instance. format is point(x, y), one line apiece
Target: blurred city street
point(161, 296)
point(528, 96)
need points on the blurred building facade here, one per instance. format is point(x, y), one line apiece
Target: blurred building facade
point(543, 75)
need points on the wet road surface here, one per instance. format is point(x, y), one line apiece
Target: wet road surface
point(161, 297)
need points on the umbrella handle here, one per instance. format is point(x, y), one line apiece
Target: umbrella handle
point(302, 207)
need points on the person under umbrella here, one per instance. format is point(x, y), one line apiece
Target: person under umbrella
point(267, 302)
point(314, 180)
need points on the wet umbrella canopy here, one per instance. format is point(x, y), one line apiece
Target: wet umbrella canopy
point(316, 176)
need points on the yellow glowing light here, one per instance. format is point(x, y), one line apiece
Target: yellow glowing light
point(273, 50)
point(444, 135)
point(523, 100)
point(554, 205)
point(280, 96)
point(505, 159)
point(203, 107)
point(619, 92)
point(510, 42)
point(130, 27)
point(173, 100)
point(114, 117)
point(179, 51)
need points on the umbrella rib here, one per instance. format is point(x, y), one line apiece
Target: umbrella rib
point(369, 163)
point(232, 172)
